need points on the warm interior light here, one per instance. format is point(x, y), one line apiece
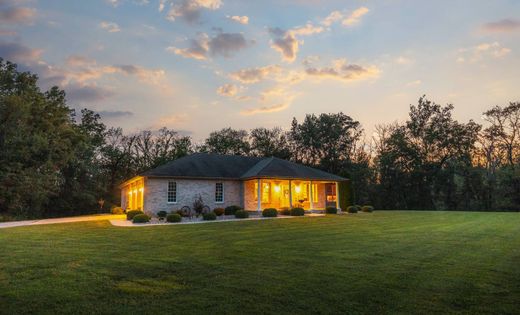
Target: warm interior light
point(130, 192)
point(297, 189)
point(277, 188)
point(141, 189)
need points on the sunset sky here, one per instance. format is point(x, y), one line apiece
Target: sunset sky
point(201, 65)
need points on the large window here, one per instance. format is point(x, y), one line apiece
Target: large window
point(172, 192)
point(266, 192)
point(219, 192)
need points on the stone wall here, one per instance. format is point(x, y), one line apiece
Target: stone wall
point(156, 193)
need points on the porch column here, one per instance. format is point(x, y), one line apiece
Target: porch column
point(311, 196)
point(290, 194)
point(337, 196)
point(259, 194)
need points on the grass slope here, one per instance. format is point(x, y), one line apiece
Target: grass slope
point(385, 262)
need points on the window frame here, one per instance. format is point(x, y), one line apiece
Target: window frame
point(222, 193)
point(173, 191)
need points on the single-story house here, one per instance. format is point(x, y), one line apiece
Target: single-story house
point(252, 183)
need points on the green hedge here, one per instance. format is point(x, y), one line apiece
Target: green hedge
point(231, 210)
point(345, 194)
point(270, 213)
point(210, 216)
point(173, 218)
point(241, 214)
point(297, 212)
point(331, 210)
point(353, 209)
point(367, 209)
point(132, 213)
point(141, 218)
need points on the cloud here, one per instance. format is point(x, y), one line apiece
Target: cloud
point(227, 90)
point(414, 83)
point(167, 121)
point(111, 27)
point(268, 108)
point(17, 52)
point(333, 17)
point(502, 26)
point(114, 114)
point(189, 10)
point(239, 19)
point(149, 76)
point(253, 75)
point(482, 51)
point(308, 29)
point(285, 43)
point(114, 3)
point(346, 19)
point(355, 16)
point(343, 71)
point(19, 15)
point(404, 60)
point(87, 93)
point(77, 60)
point(222, 44)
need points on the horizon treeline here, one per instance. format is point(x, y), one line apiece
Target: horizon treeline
point(55, 162)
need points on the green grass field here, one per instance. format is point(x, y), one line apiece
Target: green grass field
point(384, 262)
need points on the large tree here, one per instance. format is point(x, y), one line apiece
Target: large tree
point(227, 141)
point(37, 140)
point(270, 142)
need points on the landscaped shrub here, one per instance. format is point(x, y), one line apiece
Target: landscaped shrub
point(141, 218)
point(132, 213)
point(297, 212)
point(231, 210)
point(219, 211)
point(210, 216)
point(117, 210)
point(173, 218)
point(270, 213)
point(162, 214)
point(285, 211)
point(331, 210)
point(352, 209)
point(181, 213)
point(367, 209)
point(241, 214)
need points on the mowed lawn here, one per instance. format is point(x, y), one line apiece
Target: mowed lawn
point(384, 262)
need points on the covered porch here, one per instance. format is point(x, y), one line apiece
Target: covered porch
point(262, 193)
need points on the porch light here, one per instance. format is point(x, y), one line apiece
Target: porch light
point(277, 188)
point(135, 191)
point(130, 192)
point(141, 189)
point(297, 189)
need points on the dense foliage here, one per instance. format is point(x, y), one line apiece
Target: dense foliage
point(55, 162)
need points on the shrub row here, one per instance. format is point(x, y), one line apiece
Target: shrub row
point(331, 210)
point(241, 214)
point(141, 218)
point(231, 210)
point(357, 208)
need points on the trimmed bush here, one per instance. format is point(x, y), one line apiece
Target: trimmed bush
point(162, 214)
point(367, 209)
point(270, 213)
point(141, 218)
point(352, 209)
point(219, 211)
point(132, 213)
point(231, 210)
point(117, 210)
point(241, 214)
point(173, 218)
point(285, 211)
point(210, 216)
point(331, 210)
point(297, 212)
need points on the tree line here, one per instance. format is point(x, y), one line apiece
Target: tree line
point(54, 161)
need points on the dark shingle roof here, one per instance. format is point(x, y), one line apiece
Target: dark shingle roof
point(202, 165)
point(205, 166)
